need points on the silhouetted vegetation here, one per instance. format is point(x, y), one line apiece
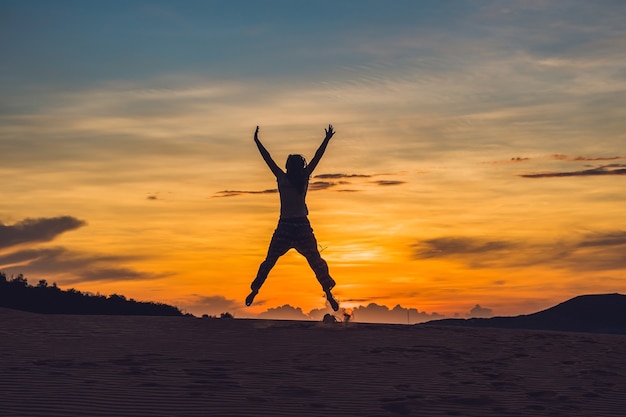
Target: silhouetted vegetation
point(43, 298)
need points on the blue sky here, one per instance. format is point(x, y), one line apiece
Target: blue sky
point(108, 40)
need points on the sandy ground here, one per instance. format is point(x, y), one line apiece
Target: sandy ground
point(61, 365)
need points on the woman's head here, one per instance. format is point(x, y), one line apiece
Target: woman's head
point(296, 173)
point(295, 163)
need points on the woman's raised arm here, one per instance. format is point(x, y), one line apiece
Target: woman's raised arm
point(266, 155)
point(320, 151)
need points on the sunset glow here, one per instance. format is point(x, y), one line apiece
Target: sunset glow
point(480, 154)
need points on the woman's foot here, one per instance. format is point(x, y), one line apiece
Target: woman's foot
point(250, 298)
point(331, 300)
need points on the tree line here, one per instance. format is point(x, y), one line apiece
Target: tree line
point(17, 293)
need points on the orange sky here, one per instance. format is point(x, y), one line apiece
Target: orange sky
point(473, 165)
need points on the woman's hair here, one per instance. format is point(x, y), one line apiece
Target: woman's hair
point(296, 173)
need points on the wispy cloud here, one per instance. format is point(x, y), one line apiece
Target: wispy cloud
point(341, 180)
point(454, 246)
point(612, 169)
point(561, 157)
point(592, 251)
point(72, 266)
point(234, 193)
point(388, 182)
point(321, 185)
point(36, 230)
point(615, 238)
point(513, 160)
point(338, 176)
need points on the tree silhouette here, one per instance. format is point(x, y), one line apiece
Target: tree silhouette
point(18, 294)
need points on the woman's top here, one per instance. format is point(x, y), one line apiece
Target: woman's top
point(292, 202)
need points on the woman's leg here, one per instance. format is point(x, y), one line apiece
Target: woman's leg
point(307, 246)
point(279, 245)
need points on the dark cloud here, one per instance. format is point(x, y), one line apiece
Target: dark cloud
point(375, 313)
point(115, 274)
point(510, 161)
point(36, 230)
point(213, 305)
point(591, 252)
point(451, 246)
point(28, 255)
point(388, 182)
point(318, 185)
point(598, 251)
point(561, 157)
point(321, 185)
point(372, 313)
point(480, 312)
point(153, 197)
point(338, 176)
point(610, 158)
point(612, 169)
point(313, 186)
point(233, 193)
point(70, 266)
point(285, 312)
point(604, 239)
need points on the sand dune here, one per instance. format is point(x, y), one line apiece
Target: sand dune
point(61, 365)
point(596, 313)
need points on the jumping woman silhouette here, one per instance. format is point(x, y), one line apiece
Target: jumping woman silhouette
point(294, 229)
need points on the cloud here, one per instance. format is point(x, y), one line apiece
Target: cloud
point(36, 230)
point(285, 312)
point(321, 185)
point(561, 157)
point(375, 313)
point(317, 185)
point(612, 169)
point(453, 246)
point(233, 193)
point(604, 239)
point(313, 186)
point(592, 251)
point(372, 313)
point(115, 274)
point(213, 305)
point(480, 312)
point(337, 176)
point(584, 158)
point(70, 266)
point(388, 182)
point(513, 160)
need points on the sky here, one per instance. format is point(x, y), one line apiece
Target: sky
point(478, 167)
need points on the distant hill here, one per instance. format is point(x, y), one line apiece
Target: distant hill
point(598, 313)
point(16, 293)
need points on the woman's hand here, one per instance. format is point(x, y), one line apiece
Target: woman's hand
point(329, 132)
point(256, 134)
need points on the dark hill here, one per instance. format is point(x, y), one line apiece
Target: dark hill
point(598, 313)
